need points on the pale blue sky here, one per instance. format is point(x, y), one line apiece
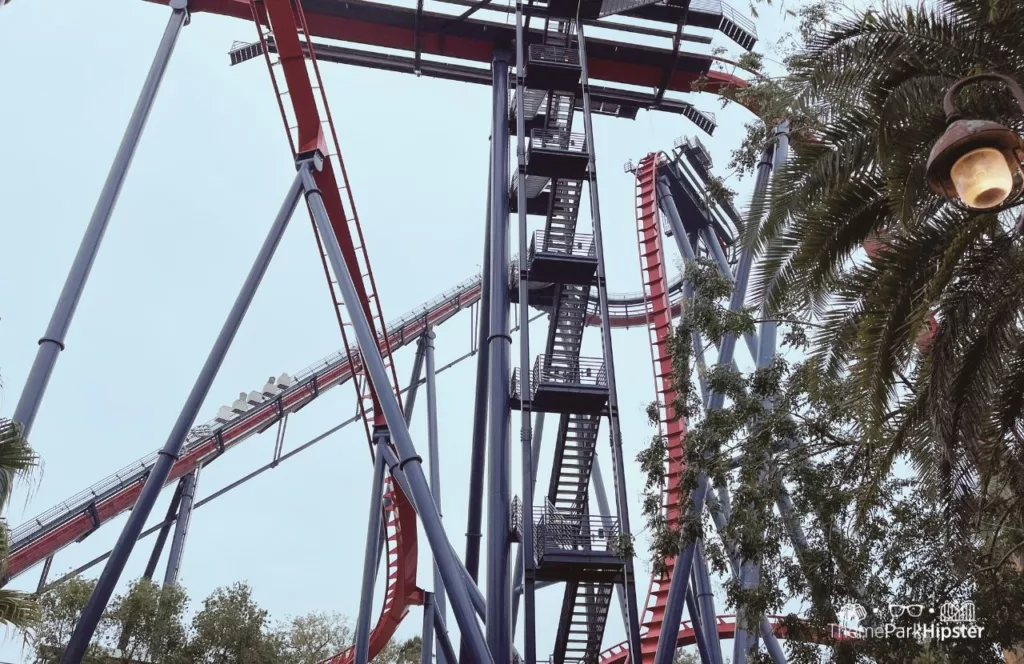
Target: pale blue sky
point(207, 179)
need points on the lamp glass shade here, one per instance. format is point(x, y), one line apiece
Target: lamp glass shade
point(982, 178)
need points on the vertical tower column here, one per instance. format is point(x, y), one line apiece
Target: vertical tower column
point(474, 519)
point(499, 626)
point(527, 445)
point(615, 434)
point(52, 342)
point(427, 636)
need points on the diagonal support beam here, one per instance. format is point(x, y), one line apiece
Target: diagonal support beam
point(371, 558)
point(188, 493)
point(93, 611)
point(52, 343)
point(165, 530)
point(439, 605)
point(412, 464)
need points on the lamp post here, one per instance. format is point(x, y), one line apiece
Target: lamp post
point(976, 164)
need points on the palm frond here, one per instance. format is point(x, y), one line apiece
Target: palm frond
point(17, 458)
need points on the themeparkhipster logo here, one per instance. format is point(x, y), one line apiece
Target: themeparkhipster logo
point(955, 620)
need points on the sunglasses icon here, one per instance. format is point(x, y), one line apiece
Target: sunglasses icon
point(912, 610)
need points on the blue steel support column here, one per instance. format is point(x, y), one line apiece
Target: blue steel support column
point(706, 603)
point(188, 494)
point(370, 559)
point(479, 451)
point(668, 207)
point(745, 643)
point(169, 453)
point(435, 467)
point(427, 638)
point(499, 624)
point(702, 579)
point(517, 582)
point(697, 621)
point(530, 458)
point(681, 574)
point(680, 580)
point(165, 530)
point(476, 597)
point(618, 469)
point(478, 454)
point(414, 381)
point(419, 490)
point(751, 571)
point(719, 516)
point(52, 342)
point(441, 636)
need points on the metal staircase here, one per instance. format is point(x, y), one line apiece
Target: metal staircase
point(584, 615)
point(571, 546)
point(574, 460)
point(566, 332)
point(564, 207)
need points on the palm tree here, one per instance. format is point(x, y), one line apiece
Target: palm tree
point(17, 460)
point(868, 91)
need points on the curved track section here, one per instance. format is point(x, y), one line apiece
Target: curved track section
point(670, 427)
point(401, 591)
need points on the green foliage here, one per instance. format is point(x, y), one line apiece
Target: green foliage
point(17, 461)
point(718, 192)
point(146, 624)
point(624, 545)
point(60, 610)
point(872, 536)
point(951, 409)
point(316, 636)
point(401, 652)
point(232, 628)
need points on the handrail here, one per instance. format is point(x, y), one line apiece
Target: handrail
point(557, 530)
point(578, 244)
point(726, 11)
point(557, 139)
point(567, 369)
point(555, 54)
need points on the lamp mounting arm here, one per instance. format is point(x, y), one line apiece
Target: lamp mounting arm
point(949, 100)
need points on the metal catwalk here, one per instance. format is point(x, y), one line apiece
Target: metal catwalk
point(540, 71)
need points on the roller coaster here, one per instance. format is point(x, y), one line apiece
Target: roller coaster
point(540, 69)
